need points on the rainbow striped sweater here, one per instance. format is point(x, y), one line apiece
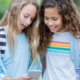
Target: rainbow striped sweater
point(60, 45)
point(58, 59)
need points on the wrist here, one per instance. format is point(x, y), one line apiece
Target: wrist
point(5, 78)
point(11, 78)
point(15, 78)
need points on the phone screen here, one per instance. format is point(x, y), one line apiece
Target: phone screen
point(35, 73)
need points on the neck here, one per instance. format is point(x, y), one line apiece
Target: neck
point(63, 30)
point(5, 27)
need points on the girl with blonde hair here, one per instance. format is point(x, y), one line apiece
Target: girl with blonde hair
point(19, 40)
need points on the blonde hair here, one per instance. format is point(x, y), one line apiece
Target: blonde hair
point(11, 18)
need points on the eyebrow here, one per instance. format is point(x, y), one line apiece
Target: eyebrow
point(27, 13)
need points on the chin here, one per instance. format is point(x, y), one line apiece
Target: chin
point(53, 31)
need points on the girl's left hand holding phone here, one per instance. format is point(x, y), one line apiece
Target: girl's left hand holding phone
point(34, 79)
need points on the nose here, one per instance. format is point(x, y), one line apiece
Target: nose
point(28, 21)
point(50, 23)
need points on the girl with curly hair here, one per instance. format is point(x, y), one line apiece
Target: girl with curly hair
point(19, 40)
point(59, 31)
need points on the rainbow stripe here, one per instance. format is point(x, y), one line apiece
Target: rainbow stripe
point(59, 47)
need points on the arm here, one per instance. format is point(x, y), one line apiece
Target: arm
point(23, 77)
point(14, 78)
point(2, 70)
point(44, 65)
point(3, 73)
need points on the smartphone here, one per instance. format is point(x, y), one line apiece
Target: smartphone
point(35, 73)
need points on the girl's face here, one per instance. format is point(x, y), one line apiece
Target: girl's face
point(27, 15)
point(53, 20)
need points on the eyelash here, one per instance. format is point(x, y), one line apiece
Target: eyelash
point(45, 18)
point(54, 19)
point(32, 19)
point(25, 16)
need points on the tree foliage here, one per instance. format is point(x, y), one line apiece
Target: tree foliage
point(3, 6)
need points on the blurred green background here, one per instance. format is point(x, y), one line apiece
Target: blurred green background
point(4, 4)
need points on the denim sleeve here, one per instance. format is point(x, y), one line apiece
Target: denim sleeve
point(35, 66)
point(2, 70)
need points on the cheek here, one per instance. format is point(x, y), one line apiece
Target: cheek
point(45, 22)
point(21, 18)
point(59, 22)
point(31, 22)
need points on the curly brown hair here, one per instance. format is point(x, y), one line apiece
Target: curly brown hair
point(71, 20)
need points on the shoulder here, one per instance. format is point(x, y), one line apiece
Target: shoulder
point(2, 32)
point(1, 29)
point(2, 41)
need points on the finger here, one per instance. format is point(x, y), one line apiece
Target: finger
point(34, 79)
point(26, 77)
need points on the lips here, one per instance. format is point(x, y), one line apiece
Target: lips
point(52, 28)
point(23, 26)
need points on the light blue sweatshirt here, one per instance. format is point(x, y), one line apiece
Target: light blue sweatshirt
point(21, 60)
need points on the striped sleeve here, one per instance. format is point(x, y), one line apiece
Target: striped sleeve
point(2, 41)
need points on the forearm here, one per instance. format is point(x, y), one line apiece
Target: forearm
point(12, 78)
point(44, 65)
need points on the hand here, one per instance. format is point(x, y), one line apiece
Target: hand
point(24, 77)
point(34, 79)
